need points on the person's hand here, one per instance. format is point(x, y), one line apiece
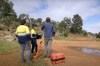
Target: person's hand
point(16, 35)
point(39, 36)
point(40, 33)
point(53, 33)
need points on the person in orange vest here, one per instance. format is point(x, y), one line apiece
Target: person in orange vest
point(23, 35)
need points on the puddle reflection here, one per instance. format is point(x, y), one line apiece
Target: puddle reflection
point(86, 50)
point(91, 51)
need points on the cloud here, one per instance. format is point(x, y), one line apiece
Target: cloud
point(94, 28)
point(56, 9)
point(25, 6)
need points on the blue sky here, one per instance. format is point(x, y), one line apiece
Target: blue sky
point(89, 10)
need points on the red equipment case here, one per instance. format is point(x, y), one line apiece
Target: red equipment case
point(57, 58)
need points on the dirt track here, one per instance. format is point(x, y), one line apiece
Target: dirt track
point(77, 58)
point(73, 57)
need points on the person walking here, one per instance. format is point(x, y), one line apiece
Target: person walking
point(23, 35)
point(34, 39)
point(48, 33)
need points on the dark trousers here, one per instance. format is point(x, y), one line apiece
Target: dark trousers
point(34, 45)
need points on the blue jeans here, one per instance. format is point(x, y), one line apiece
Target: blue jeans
point(34, 45)
point(28, 51)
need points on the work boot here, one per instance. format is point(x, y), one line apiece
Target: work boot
point(22, 61)
point(28, 62)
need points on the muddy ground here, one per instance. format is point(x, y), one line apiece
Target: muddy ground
point(73, 57)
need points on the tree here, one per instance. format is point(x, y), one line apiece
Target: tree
point(62, 28)
point(98, 35)
point(7, 14)
point(54, 24)
point(77, 24)
point(39, 20)
point(68, 24)
point(85, 33)
point(6, 8)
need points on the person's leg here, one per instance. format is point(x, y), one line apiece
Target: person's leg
point(28, 51)
point(32, 50)
point(49, 47)
point(22, 48)
point(45, 47)
point(36, 46)
point(33, 45)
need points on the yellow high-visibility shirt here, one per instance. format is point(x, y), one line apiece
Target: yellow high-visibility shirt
point(22, 30)
point(33, 32)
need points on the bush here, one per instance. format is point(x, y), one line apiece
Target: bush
point(84, 33)
point(65, 34)
point(98, 35)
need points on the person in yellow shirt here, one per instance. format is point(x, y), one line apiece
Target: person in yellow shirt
point(23, 35)
point(34, 38)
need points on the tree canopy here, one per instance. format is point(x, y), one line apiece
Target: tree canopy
point(77, 24)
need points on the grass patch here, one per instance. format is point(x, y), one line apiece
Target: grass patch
point(8, 47)
point(97, 39)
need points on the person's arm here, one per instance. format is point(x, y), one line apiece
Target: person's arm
point(34, 35)
point(53, 31)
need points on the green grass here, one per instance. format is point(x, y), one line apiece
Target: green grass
point(97, 39)
point(8, 47)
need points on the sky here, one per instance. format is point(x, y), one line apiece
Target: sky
point(89, 10)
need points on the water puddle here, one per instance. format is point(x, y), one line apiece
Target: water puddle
point(91, 51)
point(87, 50)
